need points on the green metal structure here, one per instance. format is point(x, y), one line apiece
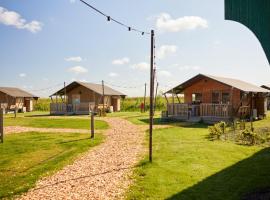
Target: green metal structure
point(254, 14)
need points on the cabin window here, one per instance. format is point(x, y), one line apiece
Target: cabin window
point(197, 97)
point(225, 98)
point(215, 97)
point(76, 99)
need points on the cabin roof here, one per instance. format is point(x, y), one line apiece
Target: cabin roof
point(91, 86)
point(16, 92)
point(235, 83)
point(266, 87)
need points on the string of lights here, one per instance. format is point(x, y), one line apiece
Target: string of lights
point(109, 18)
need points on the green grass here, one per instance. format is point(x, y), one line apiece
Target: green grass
point(47, 122)
point(26, 157)
point(187, 165)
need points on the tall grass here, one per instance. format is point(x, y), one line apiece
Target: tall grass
point(128, 104)
point(43, 104)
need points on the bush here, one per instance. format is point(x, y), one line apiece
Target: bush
point(249, 137)
point(216, 131)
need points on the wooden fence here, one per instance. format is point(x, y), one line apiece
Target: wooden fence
point(62, 108)
point(215, 110)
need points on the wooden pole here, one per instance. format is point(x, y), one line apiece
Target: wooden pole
point(155, 99)
point(65, 96)
point(144, 100)
point(1, 125)
point(103, 98)
point(151, 97)
point(251, 111)
point(92, 124)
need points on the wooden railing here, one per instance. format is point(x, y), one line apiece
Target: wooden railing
point(215, 110)
point(62, 108)
point(180, 110)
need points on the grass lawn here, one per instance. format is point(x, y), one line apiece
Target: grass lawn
point(137, 118)
point(47, 122)
point(186, 165)
point(26, 157)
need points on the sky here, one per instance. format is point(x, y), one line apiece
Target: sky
point(46, 43)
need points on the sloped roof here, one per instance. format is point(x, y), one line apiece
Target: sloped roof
point(266, 87)
point(16, 92)
point(91, 86)
point(241, 85)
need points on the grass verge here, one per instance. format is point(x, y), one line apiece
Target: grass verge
point(26, 157)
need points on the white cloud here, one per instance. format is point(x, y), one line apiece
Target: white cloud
point(112, 74)
point(74, 59)
point(165, 50)
point(78, 70)
point(143, 66)
point(121, 61)
point(188, 67)
point(11, 18)
point(167, 24)
point(22, 75)
point(164, 73)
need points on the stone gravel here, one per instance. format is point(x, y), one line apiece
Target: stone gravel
point(104, 172)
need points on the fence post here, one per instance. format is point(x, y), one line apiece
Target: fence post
point(92, 125)
point(1, 125)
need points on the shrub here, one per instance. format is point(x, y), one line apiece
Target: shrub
point(216, 131)
point(249, 137)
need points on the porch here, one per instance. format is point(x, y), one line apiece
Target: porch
point(71, 109)
point(207, 112)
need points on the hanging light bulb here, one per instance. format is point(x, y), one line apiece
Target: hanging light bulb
point(108, 18)
point(129, 28)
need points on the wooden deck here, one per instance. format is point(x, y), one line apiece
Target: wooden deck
point(77, 109)
point(205, 112)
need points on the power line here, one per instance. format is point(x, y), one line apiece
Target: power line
point(109, 18)
point(121, 86)
point(47, 88)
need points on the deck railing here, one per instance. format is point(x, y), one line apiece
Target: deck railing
point(178, 110)
point(202, 110)
point(215, 110)
point(63, 108)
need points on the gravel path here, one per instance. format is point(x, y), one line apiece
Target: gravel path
point(101, 173)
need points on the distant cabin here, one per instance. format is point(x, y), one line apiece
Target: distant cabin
point(80, 98)
point(268, 96)
point(15, 98)
point(211, 98)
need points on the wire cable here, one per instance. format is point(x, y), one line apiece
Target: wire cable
point(109, 18)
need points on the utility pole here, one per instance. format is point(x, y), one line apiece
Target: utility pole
point(156, 99)
point(103, 98)
point(144, 100)
point(251, 111)
point(1, 125)
point(151, 113)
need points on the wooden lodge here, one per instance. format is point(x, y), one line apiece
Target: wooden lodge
point(268, 96)
point(12, 99)
point(211, 99)
point(80, 98)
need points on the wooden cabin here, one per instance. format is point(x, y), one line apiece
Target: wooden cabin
point(211, 99)
point(81, 98)
point(15, 98)
point(268, 96)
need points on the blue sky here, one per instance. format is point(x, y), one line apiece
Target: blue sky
point(44, 43)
